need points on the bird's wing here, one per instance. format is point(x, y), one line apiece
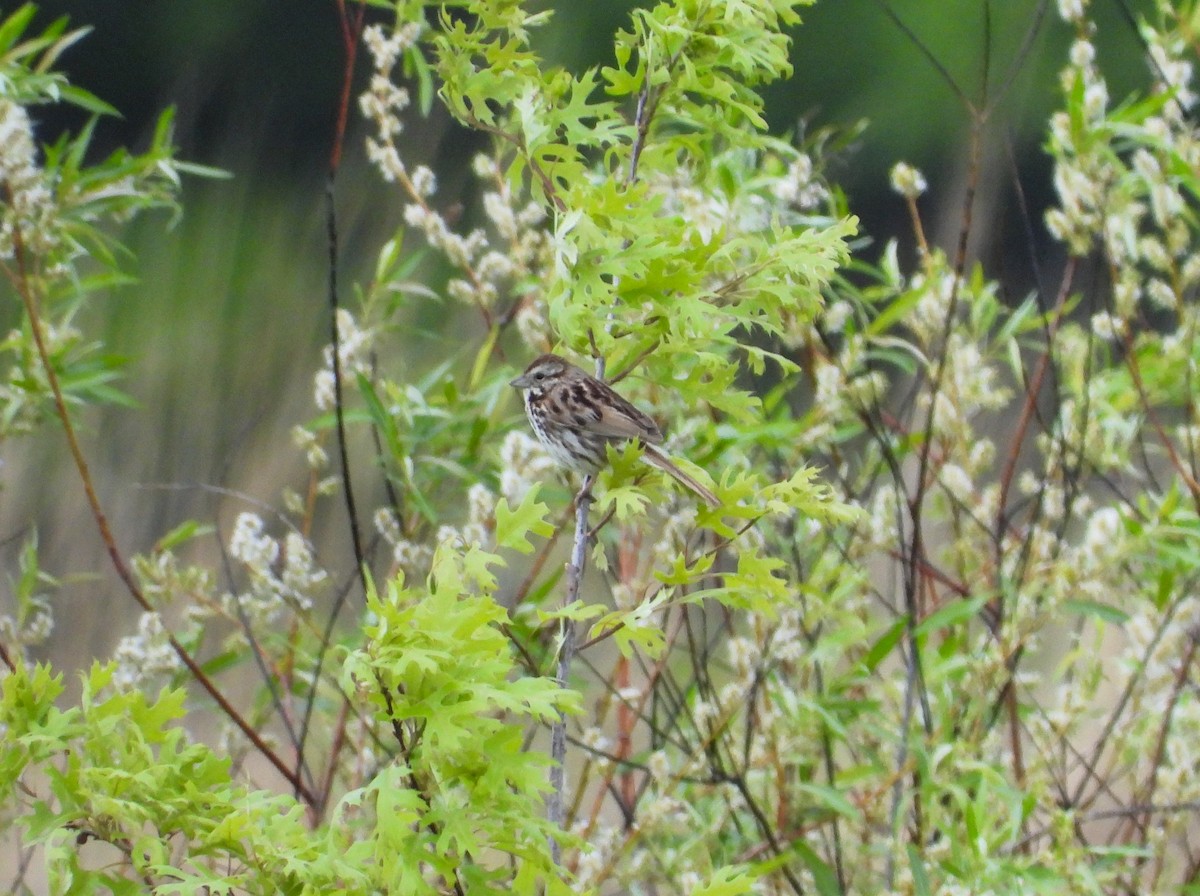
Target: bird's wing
point(595, 407)
point(626, 421)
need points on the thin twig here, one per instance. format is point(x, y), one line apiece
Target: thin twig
point(351, 30)
point(914, 581)
point(556, 801)
point(269, 679)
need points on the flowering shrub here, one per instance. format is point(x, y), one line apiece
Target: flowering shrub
point(939, 637)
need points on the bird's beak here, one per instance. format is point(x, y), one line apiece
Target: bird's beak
point(521, 382)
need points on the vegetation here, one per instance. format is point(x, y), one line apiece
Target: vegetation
point(939, 637)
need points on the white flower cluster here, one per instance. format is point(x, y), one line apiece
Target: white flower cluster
point(1149, 670)
point(460, 251)
point(146, 657)
point(383, 101)
point(885, 518)
point(27, 379)
point(599, 852)
point(486, 269)
point(769, 200)
point(1171, 70)
point(28, 210)
point(704, 212)
point(413, 558)
point(164, 579)
point(800, 187)
point(1108, 327)
point(1100, 548)
point(908, 181)
point(308, 442)
point(271, 592)
point(382, 104)
point(1072, 11)
point(1082, 177)
point(836, 395)
point(477, 530)
point(35, 629)
point(1118, 181)
point(969, 386)
point(354, 349)
point(677, 527)
point(524, 462)
point(928, 317)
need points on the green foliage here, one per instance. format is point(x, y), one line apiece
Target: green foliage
point(27, 62)
point(951, 526)
point(119, 768)
point(56, 245)
point(513, 526)
point(437, 670)
point(632, 274)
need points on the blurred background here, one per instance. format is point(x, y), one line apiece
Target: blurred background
point(224, 326)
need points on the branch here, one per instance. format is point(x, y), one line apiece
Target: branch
point(556, 801)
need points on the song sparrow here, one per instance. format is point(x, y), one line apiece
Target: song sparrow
point(575, 416)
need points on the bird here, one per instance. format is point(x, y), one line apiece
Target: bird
point(577, 416)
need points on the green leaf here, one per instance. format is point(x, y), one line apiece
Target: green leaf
point(732, 880)
point(87, 101)
point(823, 876)
point(1097, 610)
point(921, 884)
point(884, 645)
point(384, 422)
point(830, 798)
point(513, 526)
point(185, 531)
point(14, 25)
point(952, 613)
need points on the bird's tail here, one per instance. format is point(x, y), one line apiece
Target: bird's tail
point(656, 457)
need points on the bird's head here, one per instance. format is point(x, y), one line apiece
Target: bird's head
point(541, 373)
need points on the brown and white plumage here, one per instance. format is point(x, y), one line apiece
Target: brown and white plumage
point(576, 416)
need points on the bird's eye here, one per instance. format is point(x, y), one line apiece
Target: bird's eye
point(540, 375)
